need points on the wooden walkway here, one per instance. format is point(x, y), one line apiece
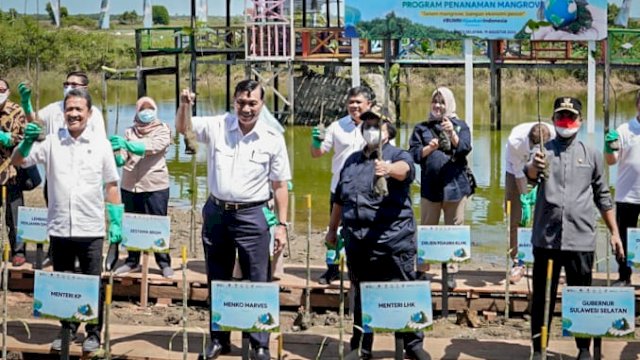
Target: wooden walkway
point(151, 343)
point(476, 290)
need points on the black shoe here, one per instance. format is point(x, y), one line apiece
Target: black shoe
point(91, 344)
point(417, 353)
point(621, 283)
point(261, 354)
point(332, 273)
point(215, 349)
point(56, 345)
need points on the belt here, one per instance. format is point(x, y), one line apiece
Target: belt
point(228, 205)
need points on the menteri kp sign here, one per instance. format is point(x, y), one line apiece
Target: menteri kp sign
point(482, 19)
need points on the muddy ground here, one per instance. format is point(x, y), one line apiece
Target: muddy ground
point(324, 322)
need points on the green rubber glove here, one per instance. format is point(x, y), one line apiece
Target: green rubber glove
point(25, 98)
point(5, 139)
point(611, 136)
point(119, 160)
point(528, 201)
point(270, 216)
point(316, 137)
point(115, 212)
point(290, 185)
point(31, 132)
point(134, 147)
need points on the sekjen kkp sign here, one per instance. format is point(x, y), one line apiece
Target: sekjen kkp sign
point(482, 19)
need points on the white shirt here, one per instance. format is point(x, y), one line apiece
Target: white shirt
point(240, 167)
point(76, 171)
point(518, 150)
point(628, 181)
point(345, 138)
point(53, 117)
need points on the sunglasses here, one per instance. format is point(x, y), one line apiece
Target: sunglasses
point(74, 84)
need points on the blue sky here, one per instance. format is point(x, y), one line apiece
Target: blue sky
point(175, 7)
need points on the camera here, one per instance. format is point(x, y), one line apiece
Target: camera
point(444, 142)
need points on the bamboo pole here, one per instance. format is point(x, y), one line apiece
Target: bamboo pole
point(544, 331)
point(107, 315)
point(5, 273)
point(341, 311)
point(185, 308)
point(508, 262)
point(307, 295)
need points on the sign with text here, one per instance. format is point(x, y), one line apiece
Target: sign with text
point(443, 243)
point(66, 296)
point(525, 248)
point(633, 247)
point(146, 232)
point(456, 19)
point(396, 306)
point(245, 306)
point(32, 225)
point(590, 311)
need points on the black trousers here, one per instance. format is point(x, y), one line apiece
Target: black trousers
point(149, 203)
point(363, 267)
point(627, 217)
point(245, 231)
point(14, 200)
point(88, 251)
point(577, 267)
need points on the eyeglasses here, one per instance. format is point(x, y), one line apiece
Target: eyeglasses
point(74, 84)
point(2, 91)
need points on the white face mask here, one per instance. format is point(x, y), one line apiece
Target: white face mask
point(372, 136)
point(566, 132)
point(146, 116)
point(66, 90)
point(4, 97)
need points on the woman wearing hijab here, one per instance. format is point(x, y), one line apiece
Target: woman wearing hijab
point(441, 145)
point(145, 177)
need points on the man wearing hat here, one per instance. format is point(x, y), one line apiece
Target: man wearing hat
point(379, 231)
point(571, 180)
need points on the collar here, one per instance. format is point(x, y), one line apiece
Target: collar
point(233, 125)
point(65, 136)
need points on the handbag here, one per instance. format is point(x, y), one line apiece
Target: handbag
point(28, 178)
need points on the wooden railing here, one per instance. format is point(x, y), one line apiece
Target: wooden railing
point(544, 50)
point(328, 42)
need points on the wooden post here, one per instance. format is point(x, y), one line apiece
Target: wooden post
point(494, 73)
point(144, 285)
point(445, 291)
point(508, 265)
point(468, 84)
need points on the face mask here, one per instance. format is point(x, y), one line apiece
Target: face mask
point(4, 97)
point(147, 116)
point(66, 90)
point(371, 136)
point(566, 127)
point(566, 132)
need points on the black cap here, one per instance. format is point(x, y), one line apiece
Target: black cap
point(567, 104)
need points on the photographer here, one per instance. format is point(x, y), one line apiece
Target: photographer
point(441, 145)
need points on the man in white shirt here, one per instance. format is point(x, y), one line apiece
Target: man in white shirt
point(344, 138)
point(246, 160)
point(77, 163)
point(52, 116)
point(627, 155)
point(522, 140)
